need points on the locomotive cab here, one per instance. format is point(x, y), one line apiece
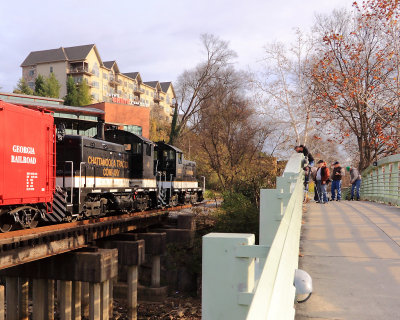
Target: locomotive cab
point(169, 160)
point(140, 149)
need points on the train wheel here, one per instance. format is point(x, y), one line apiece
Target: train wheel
point(7, 222)
point(29, 217)
point(173, 202)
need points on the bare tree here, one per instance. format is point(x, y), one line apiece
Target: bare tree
point(195, 86)
point(286, 90)
point(229, 130)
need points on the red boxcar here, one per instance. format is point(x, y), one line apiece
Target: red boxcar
point(27, 156)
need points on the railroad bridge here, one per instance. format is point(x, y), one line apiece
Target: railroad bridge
point(351, 249)
point(80, 266)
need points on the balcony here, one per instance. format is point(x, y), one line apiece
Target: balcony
point(79, 68)
point(113, 81)
point(157, 98)
point(138, 91)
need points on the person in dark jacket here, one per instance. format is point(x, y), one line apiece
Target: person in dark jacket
point(303, 149)
point(337, 174)
point(322, 177)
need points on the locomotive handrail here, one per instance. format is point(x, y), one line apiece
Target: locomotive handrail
point(72, 179)
point(80, 181)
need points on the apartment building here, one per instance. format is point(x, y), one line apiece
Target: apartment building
point(107, 83)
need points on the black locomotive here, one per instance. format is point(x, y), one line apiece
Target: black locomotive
point(121, 173)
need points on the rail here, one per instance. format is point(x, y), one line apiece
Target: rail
point(242, 280)
point(381, 182)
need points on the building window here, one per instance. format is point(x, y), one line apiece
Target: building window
point(133, 129)
point(105, 76)
point(77, 79)
point(31, 73)
point(31, 85)
point(51, 69)
point(95, 69)
point(148, 149)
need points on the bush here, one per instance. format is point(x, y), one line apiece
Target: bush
point(238, 214)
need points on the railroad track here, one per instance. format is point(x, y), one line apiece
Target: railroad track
point(22, 246)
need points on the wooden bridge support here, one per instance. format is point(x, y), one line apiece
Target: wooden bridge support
point(95, 267)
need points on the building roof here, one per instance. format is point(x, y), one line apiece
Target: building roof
point(109, 64)
point(51, 104)
point(60, 54)
point(131, 75)
point(78, 52)
point(36, 57)
point(165, 86)
point(152, 84)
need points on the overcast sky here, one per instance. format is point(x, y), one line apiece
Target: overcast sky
point(158, 38)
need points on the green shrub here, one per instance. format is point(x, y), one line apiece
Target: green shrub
point(238, 214)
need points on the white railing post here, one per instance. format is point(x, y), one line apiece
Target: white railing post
point(226, 277)
point(271, 211)
point(228, 259)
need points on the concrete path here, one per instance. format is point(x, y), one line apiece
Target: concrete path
point(352, 252)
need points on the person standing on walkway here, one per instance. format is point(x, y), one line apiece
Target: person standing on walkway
point(336, 187)
point(322, 177)
point(355, 180)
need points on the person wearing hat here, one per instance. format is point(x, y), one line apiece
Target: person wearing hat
point(337, 174)
point(322, 177)
point(355, 180)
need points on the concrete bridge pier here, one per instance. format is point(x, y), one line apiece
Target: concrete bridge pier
point(95, 267)
point(155, 246)
point(2, 314)
point(12, 298)
point(43, 299)
point(131, 253)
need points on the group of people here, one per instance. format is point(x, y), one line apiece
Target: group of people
point(322, 176)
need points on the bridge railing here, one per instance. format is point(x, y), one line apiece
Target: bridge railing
point(242, 280)
point(382, 182)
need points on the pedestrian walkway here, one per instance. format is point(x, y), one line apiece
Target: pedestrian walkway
point(352, 252)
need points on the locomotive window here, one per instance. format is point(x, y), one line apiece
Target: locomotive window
point(137, 148)
point(128, 146)
point(180, 158)
point(148, 150)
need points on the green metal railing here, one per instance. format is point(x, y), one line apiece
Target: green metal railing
point(242, 280)
point(382, 182)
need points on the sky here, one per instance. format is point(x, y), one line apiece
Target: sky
point(159, 39)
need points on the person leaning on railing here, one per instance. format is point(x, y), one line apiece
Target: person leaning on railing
point(355, 180)
point(307, 168)
point(303, 149)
